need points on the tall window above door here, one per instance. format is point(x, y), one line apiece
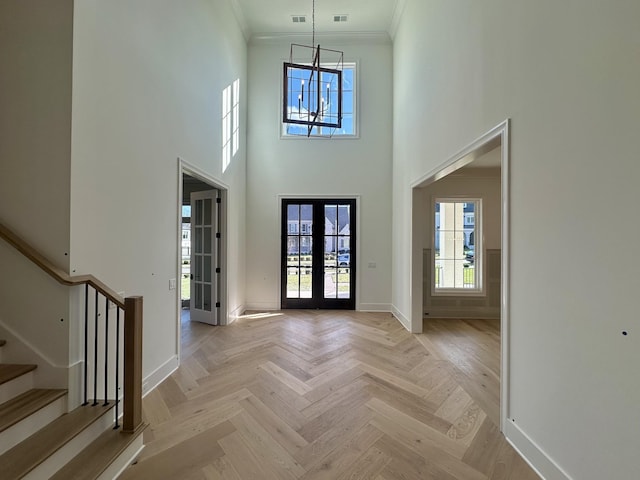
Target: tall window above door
point(457, 249)
point(328, 104)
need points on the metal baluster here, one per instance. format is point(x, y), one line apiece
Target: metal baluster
point(117, 399)
point(106, 351)
point(95, 357)
point(86, 339)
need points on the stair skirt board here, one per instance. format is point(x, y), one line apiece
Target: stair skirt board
point(125, 459)
point(15, 387)
point(67, 452)
point(15, 434)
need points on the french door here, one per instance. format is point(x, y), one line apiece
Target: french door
point(318, 262)
point(205, 257)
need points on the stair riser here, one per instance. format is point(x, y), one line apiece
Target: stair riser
point(55, 462)
point(30, 425)
point(124, 460)
point(15, 387)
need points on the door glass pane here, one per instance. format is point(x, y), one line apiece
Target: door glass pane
point(207, 211)
point(306, 219)
point(344, 282)
point(293, 251)
point(206, 274)
point(197, 273)
point(197, 290)
point(206, 300)
point(293, 282)
point(198, 212)
point(344, 220)
point(207, 240)
point(305, 282)
point(331, 220)
point(293, 216)
point(330, 279)
point(197, 239)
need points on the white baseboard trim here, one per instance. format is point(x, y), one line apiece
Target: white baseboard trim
point(464, 314)
point(406, 323)
point(532, 453)
point(156, 377)
point(270, 306)
point(374, 307)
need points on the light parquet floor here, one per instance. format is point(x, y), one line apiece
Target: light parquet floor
point(329, 395)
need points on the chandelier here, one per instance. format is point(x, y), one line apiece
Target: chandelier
point(312, 97)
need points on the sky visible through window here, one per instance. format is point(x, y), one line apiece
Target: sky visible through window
point(329, 99)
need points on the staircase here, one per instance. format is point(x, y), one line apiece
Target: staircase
point(39, 437)
point(39, 440)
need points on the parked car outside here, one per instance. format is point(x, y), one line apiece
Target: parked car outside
point(344, 260)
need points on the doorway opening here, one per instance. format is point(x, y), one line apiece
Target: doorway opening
point(318, 259)
point(202, 238)
point(490, 151)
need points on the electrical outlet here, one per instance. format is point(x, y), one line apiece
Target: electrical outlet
point(172, 284)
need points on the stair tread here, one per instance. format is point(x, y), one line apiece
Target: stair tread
point(20, 407)
point(90, 463)
point(27, 455)
point(9, 371)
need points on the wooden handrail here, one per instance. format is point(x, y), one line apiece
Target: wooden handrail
point(55, 272)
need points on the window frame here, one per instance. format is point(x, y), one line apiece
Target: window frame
point(478, 260)
point(355, 111)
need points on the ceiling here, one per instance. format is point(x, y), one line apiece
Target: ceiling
point(275, 17)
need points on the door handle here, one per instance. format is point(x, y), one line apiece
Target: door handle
point(191, 275)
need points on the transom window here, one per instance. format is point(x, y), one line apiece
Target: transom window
point(457, 251)
point(328, 106)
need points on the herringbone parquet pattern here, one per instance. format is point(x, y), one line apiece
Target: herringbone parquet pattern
point(323, 395)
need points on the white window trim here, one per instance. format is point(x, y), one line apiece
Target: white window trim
point(356, 109)
point(478, 249)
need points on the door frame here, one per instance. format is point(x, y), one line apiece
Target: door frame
point(355, 197)
point(497, 136)
point(185, 167)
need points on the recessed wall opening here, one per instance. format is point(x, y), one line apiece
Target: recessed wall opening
point(202, 288)
point(460, 254)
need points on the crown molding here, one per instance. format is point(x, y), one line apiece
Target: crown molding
point(395, 19)
point(345, 38)
point(241, 19)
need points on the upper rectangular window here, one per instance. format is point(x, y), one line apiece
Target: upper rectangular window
point(236, 116)
point(226, 127)
point(329, 99)
point(457, 261)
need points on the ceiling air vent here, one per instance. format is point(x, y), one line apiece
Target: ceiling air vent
point(339, 18)
point(299, 19)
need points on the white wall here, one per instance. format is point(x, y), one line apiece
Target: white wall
point(35, 142)
point(147, 89)
point(350, 167)
point(566, 73)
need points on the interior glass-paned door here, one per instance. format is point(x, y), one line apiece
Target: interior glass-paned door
point(204, 257)
point(318, 260)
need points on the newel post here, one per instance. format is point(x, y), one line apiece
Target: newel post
point(132, 409)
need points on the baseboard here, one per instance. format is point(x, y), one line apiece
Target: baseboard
point(532, 453)
point(406, 323)
point(374, 307)
point(156, 377)
point(477, 313)
point(259, 306)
